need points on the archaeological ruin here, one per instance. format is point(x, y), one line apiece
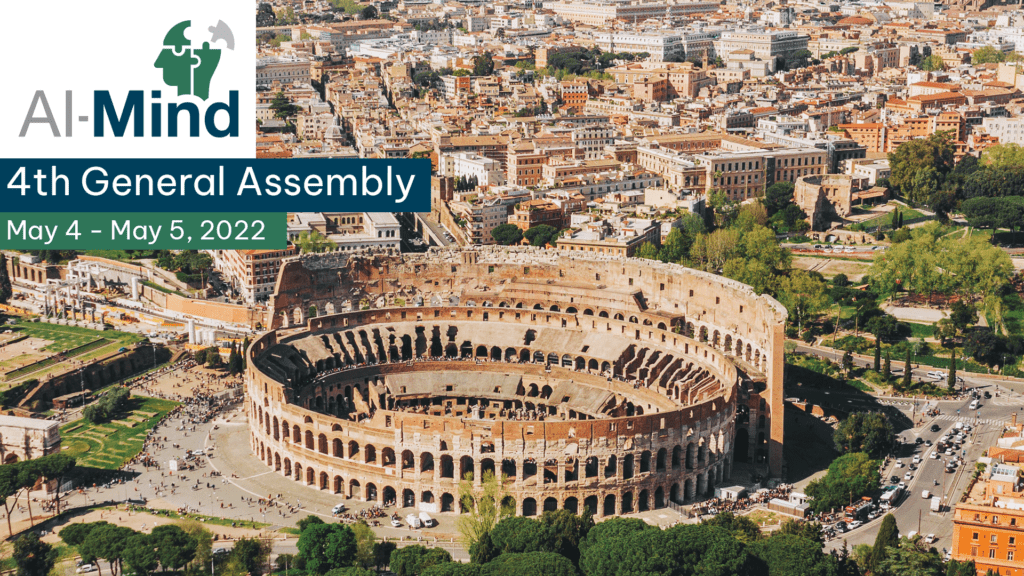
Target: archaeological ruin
point(584, 381)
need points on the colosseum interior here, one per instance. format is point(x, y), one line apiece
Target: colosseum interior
point(585, 382)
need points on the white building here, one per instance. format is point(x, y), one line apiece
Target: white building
point(661, 46)
point(1008, 130)
point(469, 165)
point(765, 44)
point(280, 69)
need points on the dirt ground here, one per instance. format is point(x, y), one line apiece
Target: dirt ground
point(30, 348)
point(187, 382)
point(829, 268)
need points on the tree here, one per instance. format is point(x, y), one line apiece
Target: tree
point(792, 555)
point(483, 65)
point(803, 295)
point(962, 315)
point(235, 362)
point(951, 378)
point(541, 235)
point(911, 158)
point(809, 530)
point(350, 571)
point(282, 106)
point(888, 536)
point(932, 63)
point(140, 554)
point(887, 368)
point(32, 556)
point(314, 242)
point(308, 521)
point(743, 528)
point(911, 558)
point(366, 540)
point(252, 555)
point(174, 546)
point(987, 55)
point(907, 370)
point(531, 564)
point(847, 362)
point(202, 537)
point(382, 554)
point(849, 477)
point(884, 327)
point(994, 213)
point(368, 13)
point(957, 568)
point(777, 197)
point(507, 234)
point(711, 251)
point(982, 344)
point(878, 354)
point(327, 546)
point(414, 560)
point(647, 251)
point(5, 281)
point(864, 432)
point(487, 505)
point(675, 247)
point(612, 529)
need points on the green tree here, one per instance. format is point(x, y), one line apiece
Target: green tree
point(541, 235)
point(327, 546)
point(951, 378)
point(869, 432)
point(531, 564)
point(778, 197)
point(932, 63)
point(804, 296)
point(647, 251)
point(174, 546)
point(743, 528)
point(987, 55)
point(957, 568)
point(365, 542)
point(382, 554)
point(613, 529)
point(308, 521)
point(849, 477)
point(5, 281)
point(282, 106)
point(887, 368)
point(368, 13)
point(907, 371)
point(414, 560)
point(483, 65)
point(792, 555)
point(487, 505)
point(252, 555)
point(32, 556)
point(507, 234)
point(201, 536)
point(314, 242)
point(911, 558)
point(140, 554)
point(675, 247)
point(888, 537)
point(911, 158)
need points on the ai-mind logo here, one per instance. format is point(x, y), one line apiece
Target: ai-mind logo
point(190, 70)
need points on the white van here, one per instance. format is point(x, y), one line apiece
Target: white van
point(974, 405)
point(428, 522)
point(414, 521)
point(338, 509)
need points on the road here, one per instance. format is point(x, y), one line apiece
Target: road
point(913, 512)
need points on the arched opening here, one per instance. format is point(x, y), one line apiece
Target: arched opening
point(677, 457)
point(659, 464)
point(550, 505)
point(741, 447)
point(370, 454)
point(572, 504)
point(353, 449)
point(353, 488)
point(590, 505)
point(371, 492)
point(529, 507)
point(627, 467)
point(609, 505)
point(426, 462)
point(408, 498)
point(641, 502)
point(390, 496)
point(466, 468)
point(590, 467)
point(324, 481)
point(447, 502)
point(645, 461)
point(447, 467)
point(627, 503)
point(659, 497)
point(322, 443)
point(610, 468)
point(339, 485)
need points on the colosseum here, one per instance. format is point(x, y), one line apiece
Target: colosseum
point(586, 382)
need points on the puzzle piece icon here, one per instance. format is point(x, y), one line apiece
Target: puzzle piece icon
point(208, 60)
point(177, 68)
point(222, 32)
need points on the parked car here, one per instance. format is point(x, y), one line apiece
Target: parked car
point(338, 509)
point(930, 538)
point(935, 428)
point(855, 524)
point(85, 569)
point(908, 476)
point(396, 523)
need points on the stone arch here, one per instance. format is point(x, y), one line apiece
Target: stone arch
point(447, 466)
point(309, 440)
point(610, 468)
point(324, 481)
point(338, 448)
point(370, 454)
point(642, 504)
point(466, 467)
point(371, 492)
point(659, 462)
point(529, 507)
point(339, 485)
point(322, 443)
point(408, 498)
point(627, 503)
point(389, 495)
point(590, 505)
point(447, 502)
point(609, 505)
point(353, 449)
point(310, 476)
point(659, 497)
point(426, 462)
point(550, 504)
point(677, 457)
point(645, 461)
point(353, 488)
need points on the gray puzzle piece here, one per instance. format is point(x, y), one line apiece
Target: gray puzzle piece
point(222, 32)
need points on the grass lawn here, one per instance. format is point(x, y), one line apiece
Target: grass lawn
point(66, 337)
point(921, 330)
point(108, 446)
point(883, 219)
point(216, 520)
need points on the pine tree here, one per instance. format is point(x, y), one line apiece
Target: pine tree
point(5, 281)
point(951, 383)
point(895, 219)
point(907, 371)
point(901, 219)
point(887, 368)
point(888, 537)
point(878, 354)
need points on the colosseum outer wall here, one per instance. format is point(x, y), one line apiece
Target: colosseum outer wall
point(681, 453)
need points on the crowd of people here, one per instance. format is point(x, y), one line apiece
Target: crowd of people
point(718, 505)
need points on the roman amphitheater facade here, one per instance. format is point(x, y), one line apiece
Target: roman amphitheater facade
point(585, 382)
